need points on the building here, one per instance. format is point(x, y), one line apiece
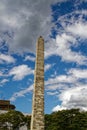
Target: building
point(5, 105)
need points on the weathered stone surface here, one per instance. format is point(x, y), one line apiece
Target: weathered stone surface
point(37, 120)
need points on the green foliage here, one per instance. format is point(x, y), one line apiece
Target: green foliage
point(62, 120)
point(14, 119)
point(27, 120)
point(66, 120)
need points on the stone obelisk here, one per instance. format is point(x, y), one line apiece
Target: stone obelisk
point(37, 119)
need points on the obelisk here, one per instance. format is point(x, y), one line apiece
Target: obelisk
point(37, 119)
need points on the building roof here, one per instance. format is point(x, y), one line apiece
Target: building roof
point(5, 105)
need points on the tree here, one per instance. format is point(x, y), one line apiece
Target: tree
point(27, 120)
point(66, 120)
point(13, 119)
point(62, 120)
point(3, 122)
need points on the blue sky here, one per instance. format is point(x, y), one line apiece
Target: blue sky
point(63, 24)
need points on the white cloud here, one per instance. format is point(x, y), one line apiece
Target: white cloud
point(65, 39)
point(52, 93)
point(50, 46)
point(79, 73)
point(6, 58)
point(78, 29)
point(73, 98)
point(47, 67)
point(21, 93)
point(69, 89)
point(70, 36)
point(27, 23)
point(1, 74)
point(23, 21)
point(70, 79)
point(19, 72)
point(58, 108)
point(64, 43)
point(62, 47)
point(27, 20)
point(30, 58)
point(61, 79)
point(3, 81)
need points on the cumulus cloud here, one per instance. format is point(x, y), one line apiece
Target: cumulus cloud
point(27, 20)
point(52, 93)
point(22, 22)
point(6, 58)
point(71, 33)
point(30, 58)
point(71, 78)
point(78, 29)
point(61, 79)
point(21, 93)
point(47, 67)
point(3, 81)
point(58, 108)
point(64, 43)
point(69, 89)
point(19, 72)
point(64, 50)
point(79, 73)
point(1, 74)
point(62, 46)
point(73, 98)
